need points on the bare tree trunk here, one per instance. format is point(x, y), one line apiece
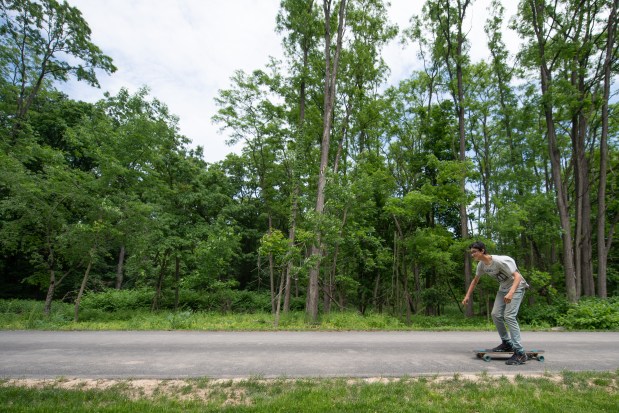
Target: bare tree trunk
point(82, 288)
point(279, 300)
point(464, 230)
point(583, 253)
point(578, 201)
point(177, 276)
point(52, 283)
point(272, 282)
point(164, 264)
point(407, 296)
point(331, 67)
point(291, 238)
point(586, 258)
point(375, 294)
point(120, 268)
point(50, 292)
point(272, 269)
point(604, 246)
point(53, 280)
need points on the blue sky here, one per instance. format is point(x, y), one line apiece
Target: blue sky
point(187, 50)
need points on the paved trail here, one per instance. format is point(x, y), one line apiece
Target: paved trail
point(179, 354)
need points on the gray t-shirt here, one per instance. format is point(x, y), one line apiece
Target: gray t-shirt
point(502, 269)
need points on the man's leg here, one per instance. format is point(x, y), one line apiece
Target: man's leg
point(498, 316)
point(511, 319)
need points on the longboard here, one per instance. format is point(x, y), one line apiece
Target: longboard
point(488, 354)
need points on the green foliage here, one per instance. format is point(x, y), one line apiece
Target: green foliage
point(592, 314)
point(80, 182)
point(46, 40)
point(219, 299)
point(543, 315)
point(28, 314)
point(112, 300)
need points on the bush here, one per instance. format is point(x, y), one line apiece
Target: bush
point(592, 314)
point(541, 314)
point(188, 300)
point(18, 306)
point(116, 300)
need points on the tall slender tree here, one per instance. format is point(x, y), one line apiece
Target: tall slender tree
point(604, 242)
point(332, 60)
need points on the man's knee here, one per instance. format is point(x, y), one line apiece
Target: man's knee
point(497, 316)
point(510, 318)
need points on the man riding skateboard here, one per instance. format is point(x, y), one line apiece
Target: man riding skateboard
point(512, 286)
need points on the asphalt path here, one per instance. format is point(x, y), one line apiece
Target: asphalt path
point(227, 355)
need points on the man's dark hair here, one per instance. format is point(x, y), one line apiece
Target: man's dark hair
point(478, 245)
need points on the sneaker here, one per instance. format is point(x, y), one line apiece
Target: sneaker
point(517, 358)
point(504, 346)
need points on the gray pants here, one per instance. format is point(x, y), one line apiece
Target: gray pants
point(507, 315)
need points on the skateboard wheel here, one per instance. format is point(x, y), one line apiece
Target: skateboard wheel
point(540, 358)
point(487, 357)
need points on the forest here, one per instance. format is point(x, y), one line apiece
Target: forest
point(348, 194)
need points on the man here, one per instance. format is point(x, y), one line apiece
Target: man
point(507, 301)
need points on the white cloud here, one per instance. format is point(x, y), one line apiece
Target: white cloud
point(187, 50)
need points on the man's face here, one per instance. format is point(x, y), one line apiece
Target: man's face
point(476, 254)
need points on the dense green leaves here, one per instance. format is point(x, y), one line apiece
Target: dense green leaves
point(372, 191)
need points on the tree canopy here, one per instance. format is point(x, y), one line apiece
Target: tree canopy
point(349, 193)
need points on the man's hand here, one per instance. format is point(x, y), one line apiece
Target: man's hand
point(465, 301)
point(508, 298)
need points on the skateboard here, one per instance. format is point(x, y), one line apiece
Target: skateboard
point(488, 354)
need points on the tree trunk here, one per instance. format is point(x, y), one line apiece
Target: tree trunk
point(272, 282)
point(50, 292)
point(164, 264)
point(464, 231)
point(279, 300)
point(177, 275)
point(120, 268)
point(82, 288)
point(52, 282)
point(601, 214)
point(583, 252)
point(291, 239)
point(577, 155)
point(331, 67)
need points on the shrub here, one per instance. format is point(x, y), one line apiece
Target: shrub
point(115, 300)
point(189, 300)
point(592, 314)
point(541, 314)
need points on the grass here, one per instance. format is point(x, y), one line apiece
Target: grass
point(28, 315)
point(573, 392)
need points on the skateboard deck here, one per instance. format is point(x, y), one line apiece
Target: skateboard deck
point(488, 354)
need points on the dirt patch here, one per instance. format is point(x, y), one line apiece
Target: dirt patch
point(146, 388)
point(234, 391)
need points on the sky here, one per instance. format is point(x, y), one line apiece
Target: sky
point(185, 51)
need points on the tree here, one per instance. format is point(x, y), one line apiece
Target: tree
point(542, 20)
point(48, 40)
point(332, 59)
point(300, 20)
point(565, 41)
point(604, 242)
point(445, 22)
point(247, 110)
